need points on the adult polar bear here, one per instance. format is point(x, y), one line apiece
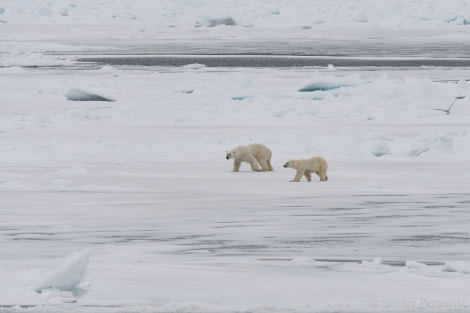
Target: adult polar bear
point(254, 154)
point(305, 167)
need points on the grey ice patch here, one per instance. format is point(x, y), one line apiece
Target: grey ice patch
point(228, 21)
point(80, 95)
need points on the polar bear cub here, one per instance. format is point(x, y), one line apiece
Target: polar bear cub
point(254, 154)
point(304, 167)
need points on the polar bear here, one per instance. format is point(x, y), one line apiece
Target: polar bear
point(253, 154)
point(304, 167)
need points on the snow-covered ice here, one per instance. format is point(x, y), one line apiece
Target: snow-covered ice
point(68, 276)
point(130, 205)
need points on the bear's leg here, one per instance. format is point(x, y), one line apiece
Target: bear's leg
point(254, 164)
point(298, 175)
point(308, 176)
point(322, 176)
point(270, 167)
point(236, 165)
point(264, 165)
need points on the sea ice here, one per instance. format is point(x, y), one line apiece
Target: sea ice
point(144, 183)
point(68, 276)
point(415, 265)
point(457, 266)
point(372, 265)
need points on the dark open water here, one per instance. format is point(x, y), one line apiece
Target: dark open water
point(270, 61)
point(346, 48)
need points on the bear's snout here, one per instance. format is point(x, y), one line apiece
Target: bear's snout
point(285, 165)
point(227, 157)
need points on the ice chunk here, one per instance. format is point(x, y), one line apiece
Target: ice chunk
point(433, 142)
point(79, 95)
point(456, 266)
point(380, 148)
point(302, 261)
point(194, 66)
point(323, 86)
point(239, 98)
point(374, 265)
point(415, 265)
point(222, 21)
point(68, 276)
point(53, 296)
point(459, 20)
point(322, 83)
point(212, 22)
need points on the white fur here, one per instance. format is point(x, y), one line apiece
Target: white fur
point(256, 154)
point(305, 167)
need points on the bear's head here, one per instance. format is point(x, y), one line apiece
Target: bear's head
point(231, 154)
point(289, 164)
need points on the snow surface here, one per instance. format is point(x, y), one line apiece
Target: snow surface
point(130, 205)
